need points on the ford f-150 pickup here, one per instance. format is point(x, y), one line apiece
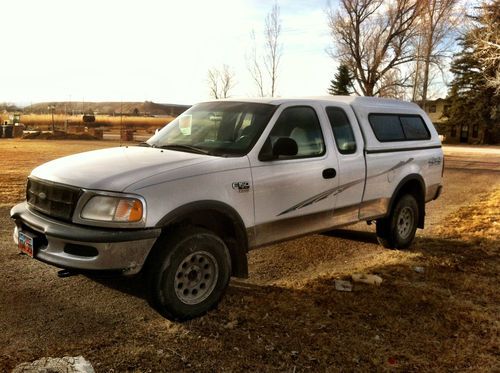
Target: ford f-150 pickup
point(228, 176)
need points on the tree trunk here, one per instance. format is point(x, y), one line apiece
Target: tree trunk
point(427, 67)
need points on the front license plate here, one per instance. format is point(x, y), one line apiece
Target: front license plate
point(26, 243)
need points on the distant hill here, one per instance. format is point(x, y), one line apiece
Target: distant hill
point(110, 108)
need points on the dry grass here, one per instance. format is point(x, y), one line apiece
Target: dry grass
point(480, 226)
point(444, 319)
point(287, 317)
point(44, 121)
point(19, 157)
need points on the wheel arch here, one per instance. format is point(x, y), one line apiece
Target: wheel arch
point(412, 184)
point(219, 218)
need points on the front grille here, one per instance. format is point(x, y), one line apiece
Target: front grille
point(52, 199)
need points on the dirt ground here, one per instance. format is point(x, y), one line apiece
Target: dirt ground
point(287, 316)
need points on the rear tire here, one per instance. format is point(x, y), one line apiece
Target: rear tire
point(397, 231)
point(188, 273)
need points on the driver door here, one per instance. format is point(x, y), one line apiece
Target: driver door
point(295, 194)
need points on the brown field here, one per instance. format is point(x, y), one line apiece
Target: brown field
point(19, 157)
point(287, 316)
point(44, 121)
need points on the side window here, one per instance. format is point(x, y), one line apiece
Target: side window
point(386, 127)
point(301, 124)
point(398, 127)
point(414, 128)
point(342, 130)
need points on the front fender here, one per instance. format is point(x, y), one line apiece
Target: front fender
point(218, 217)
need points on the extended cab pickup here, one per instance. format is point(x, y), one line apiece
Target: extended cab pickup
point(228, 176)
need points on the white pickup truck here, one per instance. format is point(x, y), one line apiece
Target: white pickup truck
point(228, 176)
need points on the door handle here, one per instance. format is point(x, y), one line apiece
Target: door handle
point(329, 173)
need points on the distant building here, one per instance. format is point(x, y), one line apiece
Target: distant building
point(453, 134)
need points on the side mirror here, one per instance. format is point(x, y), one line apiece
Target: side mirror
point(283, 146)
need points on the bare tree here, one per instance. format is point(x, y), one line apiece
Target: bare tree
point(436, 21)
point(394, 84)
point(213, 81)
point(254, 67)
point(220, 82)
point(274, 48)
point(373, 37)
point(227, 80)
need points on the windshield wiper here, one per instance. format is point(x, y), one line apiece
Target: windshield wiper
point(145, 144)
point(185, 147)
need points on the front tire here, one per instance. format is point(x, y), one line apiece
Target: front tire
point(189, 273)
point(397, 231)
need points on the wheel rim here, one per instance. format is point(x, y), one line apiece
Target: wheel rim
point(405, 222)
point(196, 277)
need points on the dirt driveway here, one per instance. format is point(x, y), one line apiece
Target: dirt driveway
point(287, 316)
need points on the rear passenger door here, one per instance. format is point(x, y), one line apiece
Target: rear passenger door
point(351, 175)
point(294, 194)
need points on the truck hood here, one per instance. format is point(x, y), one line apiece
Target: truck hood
point(114, 169)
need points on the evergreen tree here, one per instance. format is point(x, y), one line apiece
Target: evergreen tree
point(471, 100)
point(342, 84)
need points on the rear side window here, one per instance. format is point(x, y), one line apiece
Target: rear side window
point(398, 127)
point(414, 128)
point(387, 127)
point(342, 130)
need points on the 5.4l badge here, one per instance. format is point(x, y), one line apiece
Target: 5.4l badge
point(241, 186)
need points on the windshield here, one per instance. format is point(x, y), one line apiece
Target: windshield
point(216, 128)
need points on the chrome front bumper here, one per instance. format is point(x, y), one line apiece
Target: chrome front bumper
point(78, 247)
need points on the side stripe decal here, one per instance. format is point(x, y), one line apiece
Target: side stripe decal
point(337, 190)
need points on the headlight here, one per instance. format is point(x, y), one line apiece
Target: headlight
point(113, 209)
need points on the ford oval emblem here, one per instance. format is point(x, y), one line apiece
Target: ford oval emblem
point(42, 195)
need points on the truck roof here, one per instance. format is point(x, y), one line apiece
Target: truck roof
point(355, 101)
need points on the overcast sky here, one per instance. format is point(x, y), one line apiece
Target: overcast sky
point(156, 50)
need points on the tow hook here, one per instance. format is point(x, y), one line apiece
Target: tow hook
point(66, 273)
